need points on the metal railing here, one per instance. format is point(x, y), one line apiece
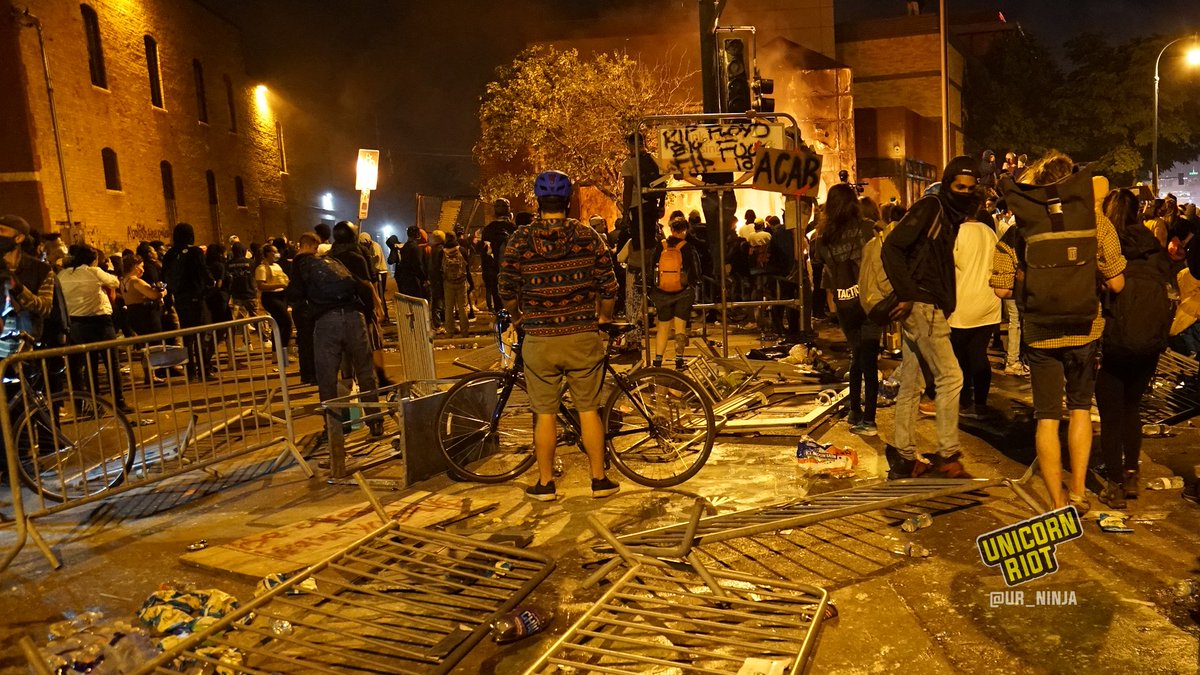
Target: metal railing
point(399, 600)
point(666, 617)
point(414, 337)
point(91, 421)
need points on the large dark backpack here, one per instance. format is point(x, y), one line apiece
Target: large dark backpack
point(1137, 321)
point(329, 283)
point(844, 277)
point(454, 266)
point(1056, 251)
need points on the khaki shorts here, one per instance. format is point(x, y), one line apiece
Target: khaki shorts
point(578, 358)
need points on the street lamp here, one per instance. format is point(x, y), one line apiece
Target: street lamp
point(1192, 58)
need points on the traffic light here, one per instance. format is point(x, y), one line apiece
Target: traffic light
point(735, 94)
point(763, 88)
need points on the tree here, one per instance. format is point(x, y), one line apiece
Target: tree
point(552, 109)
point(1100, 110)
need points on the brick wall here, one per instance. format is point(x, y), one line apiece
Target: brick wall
point(123, 118)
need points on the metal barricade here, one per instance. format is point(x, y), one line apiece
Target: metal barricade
point(414, 337)
point(91, 421)
point(663, 617)
point(1174, 393)
point(809, 510)
point(400, 600)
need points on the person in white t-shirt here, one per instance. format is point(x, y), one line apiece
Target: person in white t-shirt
point(271, 282)
point(976, 313)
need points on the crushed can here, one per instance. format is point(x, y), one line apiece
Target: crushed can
point(519, 624)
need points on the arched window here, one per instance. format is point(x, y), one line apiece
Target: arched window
point(95, 49)
point(201, 98)
point(239, 190)
point(232, 107)
point(280, 148)
point(112, 173)
point(214, 209)
point(156, 93)
point(168, 188)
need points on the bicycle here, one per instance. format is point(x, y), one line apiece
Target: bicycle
point(70, 444)
point(659, 424)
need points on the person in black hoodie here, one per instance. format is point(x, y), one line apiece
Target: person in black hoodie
point(346, 250)
point(1123, 377)
point(918, 257)
point(411, 279)
point(189, 280)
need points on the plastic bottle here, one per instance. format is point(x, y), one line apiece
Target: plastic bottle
point(1164, 483)
point(1155, 430)
point(558, 466)
point(911, 550)
point(917, 522)
point(518, 624)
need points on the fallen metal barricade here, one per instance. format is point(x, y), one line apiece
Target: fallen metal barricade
point(814, 509)
point(399, 600)
point(67, 443)
point(405, 411)
point(1174, 393)
point(414, 338)
point(666, 617)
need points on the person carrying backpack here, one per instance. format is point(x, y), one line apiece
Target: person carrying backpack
point(845, 235)
point(243, 292)
point(676, 271)
point(918, 257)
point(332, 298)
point(1065, 248)
point(1137, 324)
point(454, 285)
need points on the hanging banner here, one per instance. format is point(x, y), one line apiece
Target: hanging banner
point(694, 149)
point(792, 172)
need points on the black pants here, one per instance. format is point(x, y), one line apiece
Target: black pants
point(304, 347)
point(194, 314)
point(970, 347)
point(84, 371)
point(491, 282)
point(863, 338)
point(1119, 387)
point(381, 279)
point(787, 291)
point(276, 306)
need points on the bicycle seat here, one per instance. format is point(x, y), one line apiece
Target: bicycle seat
point(615, 328)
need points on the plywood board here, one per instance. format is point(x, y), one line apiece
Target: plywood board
point(300, 544)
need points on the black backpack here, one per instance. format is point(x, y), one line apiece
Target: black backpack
point(844, 275)
point(241, 278)
point(1056, 251)
point(1137, 321)
point(329, 283)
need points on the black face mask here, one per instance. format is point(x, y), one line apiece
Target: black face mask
point(7, 245)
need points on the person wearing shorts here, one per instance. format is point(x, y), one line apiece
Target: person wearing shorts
point(557, 282)
point(1063, 357)
point(674, 307)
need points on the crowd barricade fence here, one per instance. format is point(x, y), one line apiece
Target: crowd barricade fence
point(93, 421)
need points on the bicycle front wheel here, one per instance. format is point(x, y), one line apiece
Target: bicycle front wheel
point(485, 428)
point(659, 428)
point(73, 446)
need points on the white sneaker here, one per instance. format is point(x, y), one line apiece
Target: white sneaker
point(1018, 369)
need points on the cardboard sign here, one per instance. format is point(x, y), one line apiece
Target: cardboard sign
point(364, 202)
point(702, 148)
point(792, 172)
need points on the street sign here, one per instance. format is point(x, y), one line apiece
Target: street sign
point(364, 200)
point(792, 172)
point(368, 170)
point(694, 149)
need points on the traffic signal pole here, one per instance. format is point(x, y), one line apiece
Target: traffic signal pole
point(710, 13)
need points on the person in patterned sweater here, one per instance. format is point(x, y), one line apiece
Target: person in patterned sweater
point(557, 282)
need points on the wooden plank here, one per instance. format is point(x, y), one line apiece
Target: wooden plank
point(300, 544)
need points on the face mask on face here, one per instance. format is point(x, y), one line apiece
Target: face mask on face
point(7, 245)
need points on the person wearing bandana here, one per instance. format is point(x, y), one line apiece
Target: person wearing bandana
point(918, 257)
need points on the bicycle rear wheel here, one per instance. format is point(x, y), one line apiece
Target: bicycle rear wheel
point(660, 431)
point(485, 428)
point(84, 449)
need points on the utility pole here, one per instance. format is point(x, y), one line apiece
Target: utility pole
point(946, 135)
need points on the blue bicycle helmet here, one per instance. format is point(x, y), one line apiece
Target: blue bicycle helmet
point(552, 184)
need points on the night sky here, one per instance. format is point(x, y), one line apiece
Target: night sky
point(406, 76)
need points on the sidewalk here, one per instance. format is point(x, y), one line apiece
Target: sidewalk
point(897, 613)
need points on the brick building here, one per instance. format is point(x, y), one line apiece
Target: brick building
point(152, 117)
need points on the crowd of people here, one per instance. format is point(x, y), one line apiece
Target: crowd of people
point(956, 259)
